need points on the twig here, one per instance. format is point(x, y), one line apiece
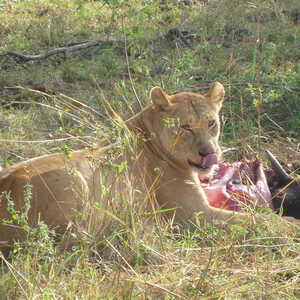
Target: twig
point(201, 280)
point(13, 271)
point(45, 141)
point(128, 68)
point(159, 287)
point(74, 117)
point(123, 258)
point(257, 75)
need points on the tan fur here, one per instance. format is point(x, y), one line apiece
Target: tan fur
point(61, 185)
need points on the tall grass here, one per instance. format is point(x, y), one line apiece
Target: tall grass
point(62, 104)
point(117, 248)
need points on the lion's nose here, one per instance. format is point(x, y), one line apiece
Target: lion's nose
point(208, 160)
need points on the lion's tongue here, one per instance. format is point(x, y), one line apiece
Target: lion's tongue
point(209, 160)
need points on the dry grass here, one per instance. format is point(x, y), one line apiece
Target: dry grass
point(134, 256)
point(60, 105)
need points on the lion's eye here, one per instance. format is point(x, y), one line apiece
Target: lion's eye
point(211, 124)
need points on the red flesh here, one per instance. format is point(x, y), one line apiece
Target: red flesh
point(224, 188)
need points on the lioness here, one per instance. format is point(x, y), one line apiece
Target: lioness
point(177, 144)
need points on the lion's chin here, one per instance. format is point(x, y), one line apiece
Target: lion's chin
point(198, 167)
point(203, 173)
point(235, 186)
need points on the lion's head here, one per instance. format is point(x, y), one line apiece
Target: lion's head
point(185, 127)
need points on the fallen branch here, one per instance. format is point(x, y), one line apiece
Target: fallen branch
point(62, 50)
point(174, 33)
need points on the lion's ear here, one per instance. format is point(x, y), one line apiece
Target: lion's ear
point(159, 97)
point(216, 95)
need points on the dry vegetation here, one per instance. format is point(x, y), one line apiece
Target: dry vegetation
point(65, 102)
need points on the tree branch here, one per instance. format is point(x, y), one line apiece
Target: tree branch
point(24, 58)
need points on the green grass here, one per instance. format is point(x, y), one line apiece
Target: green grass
point(60, 104)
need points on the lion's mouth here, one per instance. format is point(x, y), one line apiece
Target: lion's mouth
point(197, 165)
point(206, 163)
point(238, 185)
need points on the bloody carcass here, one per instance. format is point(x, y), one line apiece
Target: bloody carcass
point(245, 185)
